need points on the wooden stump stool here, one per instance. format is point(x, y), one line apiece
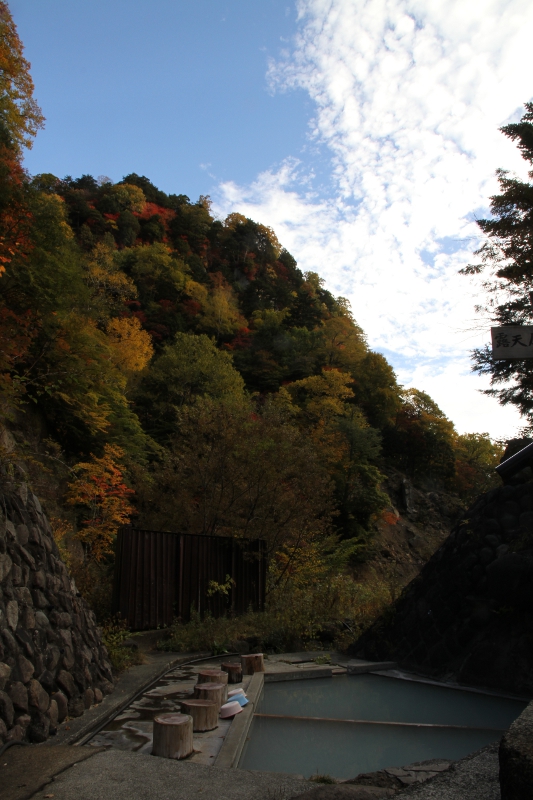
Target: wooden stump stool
point(213, 676)
point(214, 692)
point(252, 663)
point(234, 671)
point(204, 714)
point(172, 736)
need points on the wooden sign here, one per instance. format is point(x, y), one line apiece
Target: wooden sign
point(512, 341)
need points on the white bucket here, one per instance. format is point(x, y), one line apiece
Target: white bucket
point(230, 709)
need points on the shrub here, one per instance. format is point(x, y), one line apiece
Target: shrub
point(294, 618)
point(114, 635)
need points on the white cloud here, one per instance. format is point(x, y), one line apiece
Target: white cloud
point(409, 96)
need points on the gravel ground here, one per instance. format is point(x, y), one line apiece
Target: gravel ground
point(130, 776)
point(473, 778)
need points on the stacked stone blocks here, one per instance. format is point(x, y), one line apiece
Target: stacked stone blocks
point(53, 664)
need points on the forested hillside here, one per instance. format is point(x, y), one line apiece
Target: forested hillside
point(166, 367)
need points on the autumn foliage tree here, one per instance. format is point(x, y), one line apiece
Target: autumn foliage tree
point(235, 470)
point(19, 112)
point(476, 456)
point(102, 499)
point(347, 444)
point(20, 119)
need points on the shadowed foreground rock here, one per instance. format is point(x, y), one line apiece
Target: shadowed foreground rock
point(52, 661)
point(516, 758)
point(468, 616)
point(381, 784)
point(346, 792)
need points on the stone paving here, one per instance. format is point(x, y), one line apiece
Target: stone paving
point(132, 729)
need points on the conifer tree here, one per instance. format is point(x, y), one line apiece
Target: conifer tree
point(507, 257)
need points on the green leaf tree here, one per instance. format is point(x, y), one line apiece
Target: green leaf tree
point(188, 369)
point(232, 471)
point(422, 440)
point(476, 456)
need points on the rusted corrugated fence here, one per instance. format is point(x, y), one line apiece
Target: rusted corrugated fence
point(160, 576)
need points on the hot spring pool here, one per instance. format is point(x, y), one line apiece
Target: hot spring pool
point(348, 739)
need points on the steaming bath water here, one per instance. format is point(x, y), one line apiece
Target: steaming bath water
point(282, 740)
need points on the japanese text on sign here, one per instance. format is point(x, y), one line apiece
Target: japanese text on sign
point(512, 342)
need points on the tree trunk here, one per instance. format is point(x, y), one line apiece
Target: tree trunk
point(172, 736)
point(214, 692)
point(212, 676)
point(234, 672)
point(252, 663)
point(204, 714)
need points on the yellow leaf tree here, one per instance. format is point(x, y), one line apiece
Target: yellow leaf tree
point(220, 313)
point(109, 284)
point(132, 346)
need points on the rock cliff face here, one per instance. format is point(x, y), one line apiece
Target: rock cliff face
point(413, 527)
point(52, 661)
point(468, 616)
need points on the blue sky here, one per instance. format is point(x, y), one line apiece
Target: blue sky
point(161, 88)
point(365, 132)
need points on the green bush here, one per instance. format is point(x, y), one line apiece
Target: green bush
point(122, 657)
point(294, 618)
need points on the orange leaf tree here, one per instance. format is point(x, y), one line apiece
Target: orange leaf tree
point(102, 496)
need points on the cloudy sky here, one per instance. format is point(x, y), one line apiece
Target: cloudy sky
point(364, 131)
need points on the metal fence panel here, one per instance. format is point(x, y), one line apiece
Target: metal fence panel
point(160, 576)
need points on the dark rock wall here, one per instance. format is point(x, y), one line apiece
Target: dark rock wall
point(468, 616)
point(52, 661)
point(516, 758)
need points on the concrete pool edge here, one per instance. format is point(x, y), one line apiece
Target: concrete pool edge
point(235, 739)
point(404, 675)
point(299, 675)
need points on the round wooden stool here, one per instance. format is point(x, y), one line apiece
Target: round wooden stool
point(204, 714)
point(214, 692)
point(234, 671)
point(213, 676)
point(252, 663)
point(172, 736)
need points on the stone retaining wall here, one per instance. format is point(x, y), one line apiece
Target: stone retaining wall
point(52, 661)
point(468, 616)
